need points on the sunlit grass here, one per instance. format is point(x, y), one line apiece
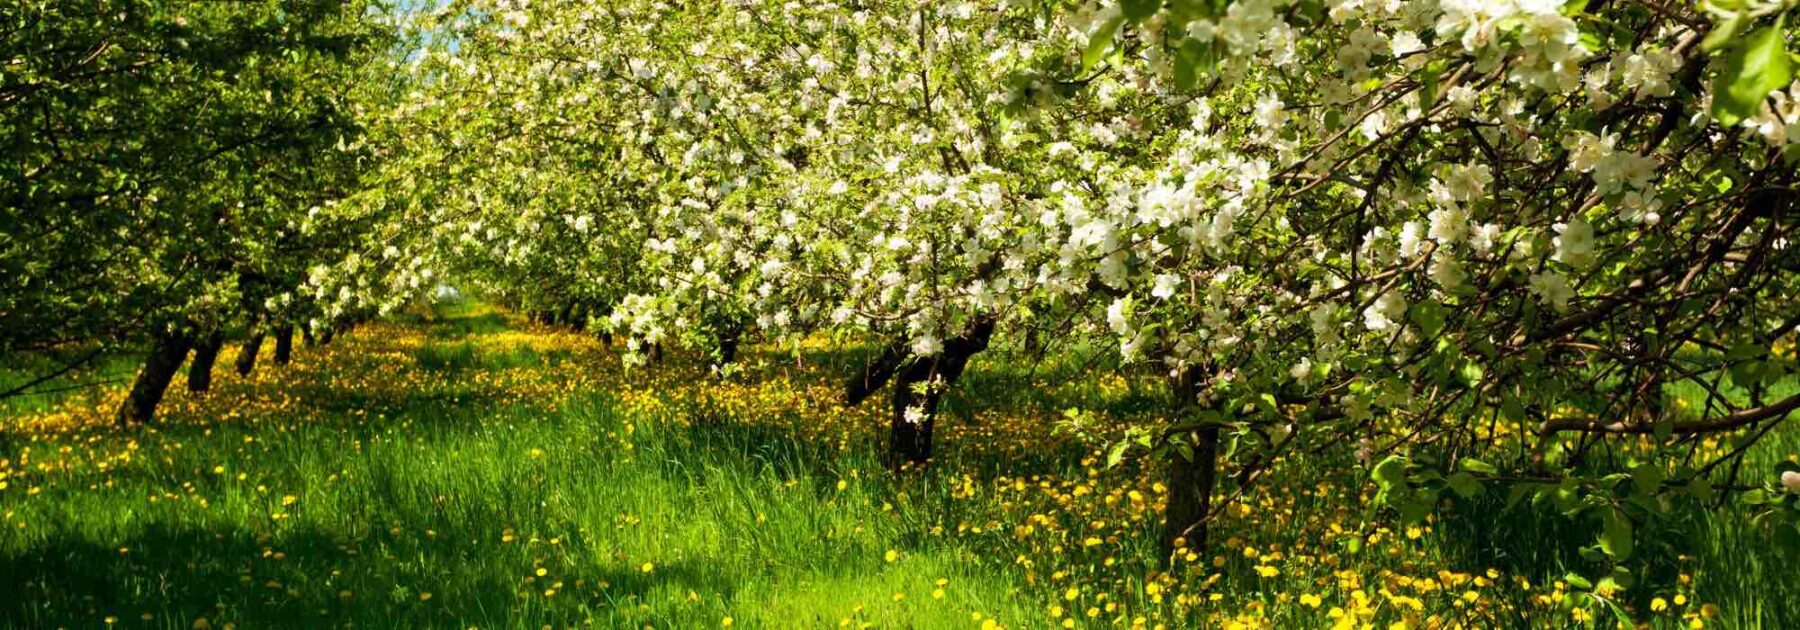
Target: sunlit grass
point(455, 468)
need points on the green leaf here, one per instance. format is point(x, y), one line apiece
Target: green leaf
point(1472, 373)
point(1615, 535)
point(1648, 478)
point(1722, 34)
point(1464, 485)
point(1390, 471)
point(1416, 509)
point(1517, 494)
point(1116, 453)
point(1267, 404)
point(1099, 42)
point(1755, 67)
point(1192, 59)
point(1428, 83)
point(1700, 489)
point(1511, 409)
point(1578, 582)
point(1139, 10)
point(1477, 466)
point(1754, 497)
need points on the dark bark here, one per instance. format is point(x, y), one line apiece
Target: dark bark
point(566, 316)
point(284, 343)
point(1193, 460)
point(911, 442)
point(206, 353)
point(875, 374)
point(730, 335)
point(306, 336)
point(246, 360)
point(579, 320)
point(166, 355)
point(326, 337)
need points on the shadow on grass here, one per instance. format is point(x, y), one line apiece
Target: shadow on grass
point(305, 578)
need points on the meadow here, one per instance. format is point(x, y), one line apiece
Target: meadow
point(460, 467)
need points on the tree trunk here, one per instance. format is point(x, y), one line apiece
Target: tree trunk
point(1191, 474)
point(326, 337)
point(284, 343)
point(306, 336)
point(874, 374)
point(730, 336)
point(153, 381)
point(910, 441)
point(246, 360)
point(206, 353)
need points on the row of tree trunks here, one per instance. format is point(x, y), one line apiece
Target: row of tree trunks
point(206, 353)
point(284, 343)
point(246, 360)
point(167, 351)
point(1193, 454)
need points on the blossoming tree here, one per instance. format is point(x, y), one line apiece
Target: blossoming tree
point(1470, 246)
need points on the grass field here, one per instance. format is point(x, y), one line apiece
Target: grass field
point(461, 468)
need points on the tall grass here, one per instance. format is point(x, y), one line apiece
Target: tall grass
point(385, 485)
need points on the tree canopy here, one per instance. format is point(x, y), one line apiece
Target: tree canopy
point(1463, 246)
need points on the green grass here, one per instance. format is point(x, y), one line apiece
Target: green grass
point(438, 481)
point(113, 367)
point(467, 501)
point(385, 517)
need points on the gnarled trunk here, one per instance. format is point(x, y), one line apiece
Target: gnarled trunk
point(206, 353)
point(910, 438)
point(284, 343)
point(1193, 460)
point(166, 355)
point(875, 374)
point(246, 360)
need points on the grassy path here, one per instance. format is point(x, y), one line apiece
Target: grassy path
point(461, 469)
